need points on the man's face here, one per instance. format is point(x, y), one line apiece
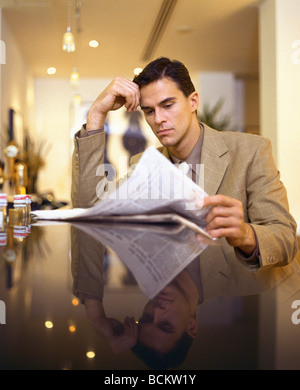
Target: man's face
point(169, 113)
point(165, 318)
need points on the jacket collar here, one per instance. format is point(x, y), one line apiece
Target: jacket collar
point(214, 157)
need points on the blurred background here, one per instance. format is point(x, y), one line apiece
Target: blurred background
point(243, 57)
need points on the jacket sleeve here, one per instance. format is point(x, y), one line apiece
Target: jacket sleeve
point(88, 179)
point(268, 210)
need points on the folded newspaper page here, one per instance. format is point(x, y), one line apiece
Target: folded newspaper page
point(155, 192)
point(154, 255)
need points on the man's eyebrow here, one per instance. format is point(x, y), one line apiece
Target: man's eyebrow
point(168, 99)
point(166, 327)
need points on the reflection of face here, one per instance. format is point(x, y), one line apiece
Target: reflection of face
point(165, 319)
point(169, 113)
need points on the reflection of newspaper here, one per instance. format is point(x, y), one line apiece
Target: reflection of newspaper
point(154, 254)
point(155, 186)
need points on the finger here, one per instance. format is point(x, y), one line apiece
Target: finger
point(126, 89)
point(129, 326)
point(223, 232)
point(221, 222)
point(224, 212)
point(219, 200)
point(132, 95)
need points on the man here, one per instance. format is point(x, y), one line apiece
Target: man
point(249, 207)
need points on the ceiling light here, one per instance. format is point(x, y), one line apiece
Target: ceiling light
point(93, 43)
point(51, 70)
point(68, 38)
point(68, 41)
point(74, 78)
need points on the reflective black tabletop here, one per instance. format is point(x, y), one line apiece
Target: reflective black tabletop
point(77, 297)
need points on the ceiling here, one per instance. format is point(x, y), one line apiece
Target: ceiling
point(207, 35)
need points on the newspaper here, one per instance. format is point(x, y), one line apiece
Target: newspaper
point(154, 254)
point(156, 191)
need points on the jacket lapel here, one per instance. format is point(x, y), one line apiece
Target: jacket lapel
point(215, 159)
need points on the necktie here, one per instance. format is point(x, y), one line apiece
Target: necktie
point(184, 168)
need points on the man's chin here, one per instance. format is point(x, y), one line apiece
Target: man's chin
point(166, 141)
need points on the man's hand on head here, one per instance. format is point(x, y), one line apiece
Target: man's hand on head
point(120, 92)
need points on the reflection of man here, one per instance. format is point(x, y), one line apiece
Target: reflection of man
point(168, 324)
point(249, 203)
point(168, 320)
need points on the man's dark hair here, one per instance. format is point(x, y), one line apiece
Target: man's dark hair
point(156, 361)
point(164, 67)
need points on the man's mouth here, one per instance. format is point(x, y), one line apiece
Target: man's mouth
point(164, 297)
point(163, 131)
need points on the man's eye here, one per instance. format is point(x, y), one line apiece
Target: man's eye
point(148, 112)
point(166, 327)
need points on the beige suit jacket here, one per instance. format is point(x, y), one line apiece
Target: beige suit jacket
point(238, 165)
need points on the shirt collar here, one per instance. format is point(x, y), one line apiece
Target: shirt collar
point(194, 157)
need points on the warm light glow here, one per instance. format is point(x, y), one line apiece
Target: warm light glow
point(90, 354)
point(49, 324)
point(75, 301)
point(74, 78)
point(76, 101)
point(68, 41)
point(51, 70)
point(93, 43)
point(72, 328)
point(137, 71)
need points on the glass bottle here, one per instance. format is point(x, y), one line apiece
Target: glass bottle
point(3, 211)
point(17, 215)
point(28, 208)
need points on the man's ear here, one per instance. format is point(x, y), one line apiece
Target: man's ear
point(194, 101)
point(192, 329)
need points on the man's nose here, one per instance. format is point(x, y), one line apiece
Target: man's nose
point(159, 118)
point(160, 304)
